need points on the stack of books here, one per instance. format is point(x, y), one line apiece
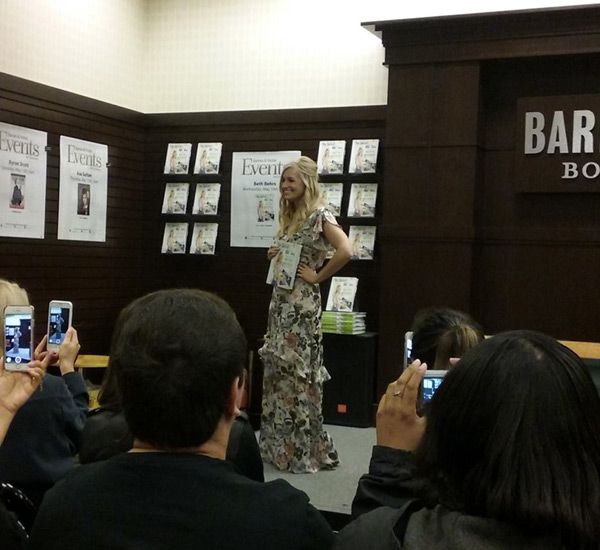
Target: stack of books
point(343, 322)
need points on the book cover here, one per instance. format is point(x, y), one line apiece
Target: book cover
point(208, 158)
point(362, 200)
point(342, 293)
point(283, 267)
point(174, 238)
point(204, 238)
point(332, 194)
point(175, 198)
point(178, 158)
point(330, 159)
point(206, 199)
point(362, 241)
point(363, 156)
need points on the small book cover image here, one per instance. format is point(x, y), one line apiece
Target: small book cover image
point(283, 267)
point(342, 293)
point(174, 238)
point(362, 241)
point(265, 208)
point(330, 159)
point(178, 158)
point(332, 194)
point(363, 156)
point(208, 158)
point(204, 238)
point(175, 198)
point(362, 200)
point(206, 199)
point(17, 191)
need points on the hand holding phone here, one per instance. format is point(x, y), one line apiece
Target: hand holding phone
point(18, 337)
point(60, 318)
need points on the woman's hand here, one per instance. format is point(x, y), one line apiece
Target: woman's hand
point(307, 274)
point(68, 350)
point(398, 425)
point(273, 251)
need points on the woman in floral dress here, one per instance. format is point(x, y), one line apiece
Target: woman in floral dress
point(292, 436)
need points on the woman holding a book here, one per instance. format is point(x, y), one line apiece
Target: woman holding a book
point(292, 436)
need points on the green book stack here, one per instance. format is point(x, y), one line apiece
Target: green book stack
point(347, 322)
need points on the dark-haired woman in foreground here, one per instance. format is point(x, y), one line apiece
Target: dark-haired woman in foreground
point(507, 457)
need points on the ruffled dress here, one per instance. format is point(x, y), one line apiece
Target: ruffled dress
point(292, 436)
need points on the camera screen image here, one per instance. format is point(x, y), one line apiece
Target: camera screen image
point(17, 338)
point(58, 324)
point(429, 387)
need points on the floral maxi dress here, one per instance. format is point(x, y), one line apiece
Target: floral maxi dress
point(292, 436)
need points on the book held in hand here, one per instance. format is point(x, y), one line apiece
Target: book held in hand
point(283, 267)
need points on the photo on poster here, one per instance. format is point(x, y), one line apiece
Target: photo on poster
point(363, 156)
point(174, 238)
point(204, 238)
point(206, 199)
point(342, 293)
point(208, 158)
point(84, 196)
point(178, 158)
point(332, 194)
point(265, 209)
point(362, 200)
point(17, 192)
point(362, 241)
point(175, 198)
point(330, 159)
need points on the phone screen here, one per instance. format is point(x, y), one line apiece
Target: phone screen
point(17, 338)
point(58, 323)
point(429, 386)
point(407, 348)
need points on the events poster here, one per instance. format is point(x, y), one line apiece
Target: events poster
point(22, 182)
point(83, 190)
point(255, 196)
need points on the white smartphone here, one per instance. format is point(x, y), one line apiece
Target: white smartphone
point(18, 337)
point(60, 317)
point(407, 348)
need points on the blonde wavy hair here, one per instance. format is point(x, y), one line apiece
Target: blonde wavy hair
point(291, 217)
point(11, 294)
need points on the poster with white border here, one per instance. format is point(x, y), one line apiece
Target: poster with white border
point(206, 199)
point(255, 196)
point(208, 158)
point(23, 162)
point(332, 194)
point(174, 238)
point(363, 156)
point(83, 187)
point(362, 241)
point(363, 197)
point(204, 238)
point(178, 156)
point(330, 159)
point(175, 198)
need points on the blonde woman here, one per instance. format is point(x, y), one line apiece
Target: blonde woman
point(292, 436)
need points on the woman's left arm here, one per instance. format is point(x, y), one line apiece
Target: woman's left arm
point(343, 252)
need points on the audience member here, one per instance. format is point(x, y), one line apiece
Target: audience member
point(442, 333)
point(44, 437)
point(510, 452)
point(178, 357)
point(106, 434)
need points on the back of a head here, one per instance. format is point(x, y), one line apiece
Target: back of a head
point(513, 433)
point(441, 333)
point(175, 354)
point(11, 294)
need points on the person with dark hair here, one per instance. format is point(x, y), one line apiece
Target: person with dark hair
point(507, 457)
point(442, 333)
point(178, 358)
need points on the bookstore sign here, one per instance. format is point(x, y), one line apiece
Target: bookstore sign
point(558, 144)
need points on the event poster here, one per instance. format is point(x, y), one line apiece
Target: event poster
point(178, 156)
point(206, 199)
point(255, 196)
point(83, 189)
point(363, 156)
point(330, 159)
point(204, 238)
point(174, 238)
point(22, 181)
point(175, 198)
point(362, 200)
point(208, 158)
point(332, 194)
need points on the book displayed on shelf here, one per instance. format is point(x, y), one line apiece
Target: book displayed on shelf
point(362, 200)
point(342, 293)
point(332, 194)
point(206, 199)
point(336, 322)
point(330, 159)
point(363, 156)
point(177, 160)
point(283, 267)
point(208, 158)
point(362, 241)
point(175, 198)
point(174, 238)
point(204, 238)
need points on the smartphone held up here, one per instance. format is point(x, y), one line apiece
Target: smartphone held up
point(60, 318)
point(18, 337)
